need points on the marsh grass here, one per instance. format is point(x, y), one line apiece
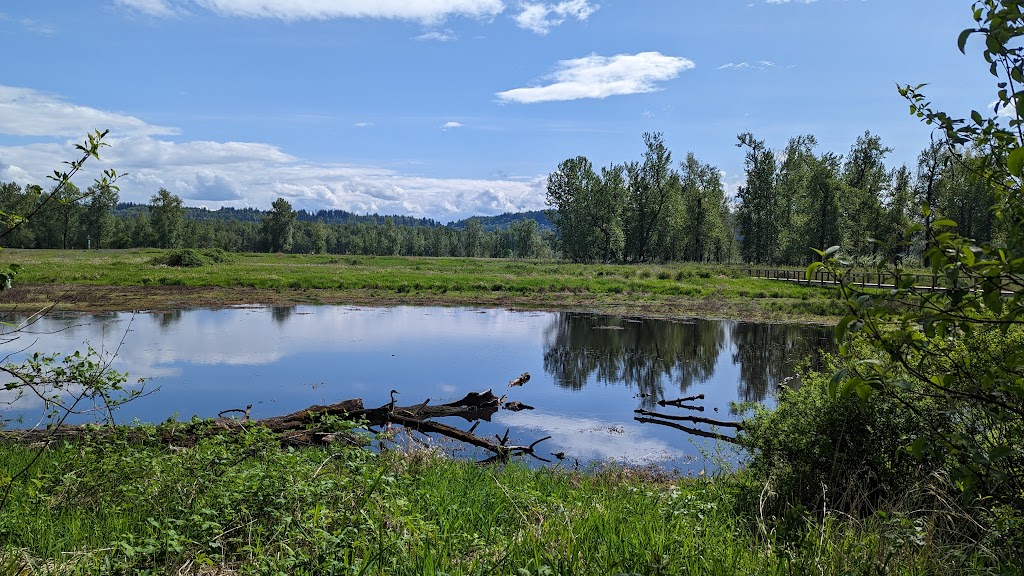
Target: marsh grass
point(720, 291)
point(243, 505)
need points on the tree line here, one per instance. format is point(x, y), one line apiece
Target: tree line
point(792, 201)
point(94, 219)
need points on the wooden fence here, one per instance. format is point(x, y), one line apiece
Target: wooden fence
point(928, 282)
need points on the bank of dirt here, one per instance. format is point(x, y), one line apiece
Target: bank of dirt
point(29, 298)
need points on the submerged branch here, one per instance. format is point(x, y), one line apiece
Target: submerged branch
point(695, 419)
point(694, 431)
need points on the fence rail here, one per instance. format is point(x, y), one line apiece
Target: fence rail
point(923, 282)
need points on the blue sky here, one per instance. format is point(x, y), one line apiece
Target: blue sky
point(450, 108)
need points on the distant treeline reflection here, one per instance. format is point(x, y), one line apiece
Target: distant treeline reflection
point(664, 359)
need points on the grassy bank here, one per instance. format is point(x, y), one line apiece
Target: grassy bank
point(243, 505)
point(135, 279)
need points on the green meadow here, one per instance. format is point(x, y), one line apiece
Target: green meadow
point(147, 281)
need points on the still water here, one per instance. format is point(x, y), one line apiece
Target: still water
point(588, 372)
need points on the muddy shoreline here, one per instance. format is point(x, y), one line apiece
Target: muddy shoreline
point(30, 298)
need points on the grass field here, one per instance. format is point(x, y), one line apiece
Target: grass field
point(134, 279)
point(241, 505)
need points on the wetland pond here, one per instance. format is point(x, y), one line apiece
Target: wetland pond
point(589, 372)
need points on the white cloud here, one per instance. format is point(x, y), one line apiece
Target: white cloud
point(429, 11)
point(625, 442)
point(540, 18)
point(27, 112)
point(363, 124)
point(244, 174)
point(600, 76)
point(152, 7)
point(237, 174)
point(1009, 112)
point(437, 36)
point(759, 65)
point(31, 25)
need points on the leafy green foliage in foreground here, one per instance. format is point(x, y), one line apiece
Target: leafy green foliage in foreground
point(245, 505)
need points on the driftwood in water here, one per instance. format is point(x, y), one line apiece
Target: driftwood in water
point(648, 417)
point(678, 402)
point(304, 426)
point(694, 419)
point(687, 429)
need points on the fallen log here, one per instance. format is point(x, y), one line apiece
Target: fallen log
point(678, 402)
point(694, 419)
point(694, 431)
point(305, 427)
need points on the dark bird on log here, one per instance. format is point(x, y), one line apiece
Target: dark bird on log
point(391, 406)
point(559, 455)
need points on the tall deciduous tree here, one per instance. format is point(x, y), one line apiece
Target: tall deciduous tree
point(278, 226)
point(99, 216)
point(703, 209)
point(570, 189)
point(757, 215)
point(867, 180)
point(167, 215)
point(794, 200)
point(652, 188)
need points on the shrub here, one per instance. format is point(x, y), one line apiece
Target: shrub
point(183, 258)
point(817, 450)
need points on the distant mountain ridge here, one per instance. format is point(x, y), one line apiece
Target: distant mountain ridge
point(503, 221)
point(489, 223)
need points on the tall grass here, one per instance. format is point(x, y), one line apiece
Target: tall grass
point(244, 505)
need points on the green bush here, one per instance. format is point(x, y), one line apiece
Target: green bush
point(216, 255)
point(817, 450)
point(183, 258)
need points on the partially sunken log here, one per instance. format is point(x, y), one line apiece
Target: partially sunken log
point(689, 430)
point(694, 419)
point(648, 417)
point(304, 426)
point(678, 402)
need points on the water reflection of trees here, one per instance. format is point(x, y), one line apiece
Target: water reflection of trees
point(281, 314)
point(769, 353)
point(168, 319)
point(641, 353)
point(651, 354)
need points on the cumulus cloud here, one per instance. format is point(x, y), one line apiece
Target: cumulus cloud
point(27, 112)
point(602, 76)
point(540, 18)
point(236, 174)
point(429, 11)
point(244, 174)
